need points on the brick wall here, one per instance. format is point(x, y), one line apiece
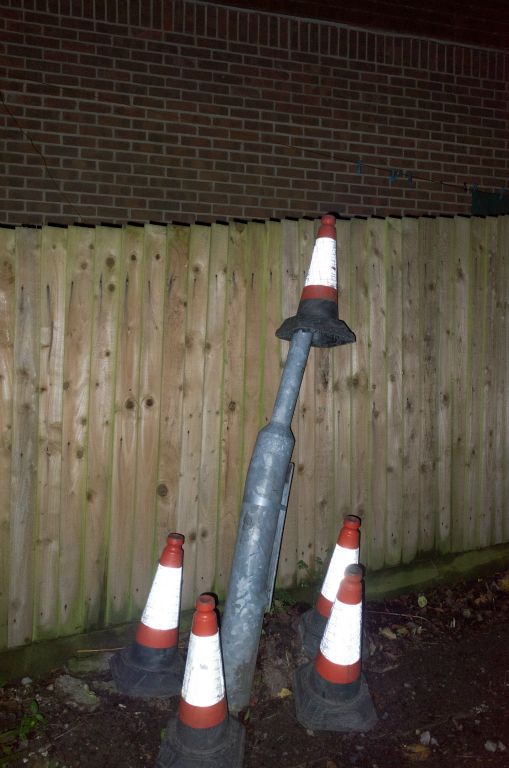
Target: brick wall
point(184, 110)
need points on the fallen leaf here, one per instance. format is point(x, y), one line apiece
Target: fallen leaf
point(417, 751)
point(331, 764)
point(283, 693)
point(388, 633)
point(422, 601)
point(503, 583)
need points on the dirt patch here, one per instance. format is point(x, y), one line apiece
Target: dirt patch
point(437, 666)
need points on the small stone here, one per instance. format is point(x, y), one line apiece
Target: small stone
point(425, 738)
point(502, 747)
point(490, 746)
point(26, 680)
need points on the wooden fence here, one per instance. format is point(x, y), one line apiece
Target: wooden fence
point(138, 364)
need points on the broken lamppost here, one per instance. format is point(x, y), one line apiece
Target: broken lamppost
point(259, 535)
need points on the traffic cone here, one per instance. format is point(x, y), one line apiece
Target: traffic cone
point(203, 733)
point(318, 307)
point(152, 666)
point(330, 692)
point(346, 552)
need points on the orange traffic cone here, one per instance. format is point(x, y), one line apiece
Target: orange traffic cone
point(346, 552)
point(152, 666)
point(318, 307)
point(203, 733)
point(330, 692)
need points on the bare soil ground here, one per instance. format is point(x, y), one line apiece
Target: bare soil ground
point(437, 666)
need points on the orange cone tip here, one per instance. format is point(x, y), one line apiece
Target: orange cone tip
point(339, 657)
point(160, 619)
point(346, 552)
point(203, 702)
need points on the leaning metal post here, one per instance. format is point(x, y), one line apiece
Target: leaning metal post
point(260, 526)
point(247, 594)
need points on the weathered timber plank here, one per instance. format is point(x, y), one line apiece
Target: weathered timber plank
point(394, 366)
point(122, 547)
point(231, 478)
point(187, 510)
point(209, 502)
point(54, 256)
point(444, 247)
point(107, 289)
point(147, 441)
point(377, 391)
point(411, 389)
point(172, 388)
point(76, 374)
point(7, 320)
point(24, 437)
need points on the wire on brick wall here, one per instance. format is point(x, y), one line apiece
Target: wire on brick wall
point(41, 155)
point(394, 174)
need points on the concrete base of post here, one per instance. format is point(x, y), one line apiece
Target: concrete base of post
point(320, 710)
point(219, 747)
point(147, 672)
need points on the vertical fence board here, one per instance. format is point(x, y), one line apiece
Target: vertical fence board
point(106, 298)
point(292, 549)
point(24, 436)
point(474, 383)
point(458, 365)
point(487, 510)
point(377, 391)
point(359, 381)
point(78, 313)
point(428, 303)
point(7, 317)
point(393, 344)
point(49, 472)
point(172, 382)
point(231, 476)
point(504, 408)
point(127, 406)
point(187, 511)
point(342, 372)
point(444, 247)
point(500, 528)
point(149, 410)
point(411, 389)
point(209, 507)
point(304, 414)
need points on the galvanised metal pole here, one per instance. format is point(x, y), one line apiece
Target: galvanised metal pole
point(315, 324)
point(248, 590)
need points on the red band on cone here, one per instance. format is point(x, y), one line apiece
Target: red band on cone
point(202, 717)
point(337, 673)
point(324, 292)
point(156, 638)
point(323, 606)
point(350, 589)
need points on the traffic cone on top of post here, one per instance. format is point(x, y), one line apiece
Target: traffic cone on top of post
point(318, 307)
point(346, 552)
point(330, 692)
point(203, 733)
point(152, 666)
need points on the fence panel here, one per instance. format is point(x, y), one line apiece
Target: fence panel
point(138, 364)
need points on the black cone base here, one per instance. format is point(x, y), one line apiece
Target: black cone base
point(314, 711)
point(310, 629)
point(146, 672)
point(227, 753)
point(327, 332)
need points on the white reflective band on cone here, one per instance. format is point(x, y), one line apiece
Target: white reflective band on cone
point(203, 683)
point(341, 642)
point(322, 270)
point(341, 557)
point(163, 604)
